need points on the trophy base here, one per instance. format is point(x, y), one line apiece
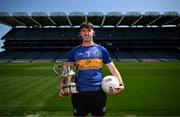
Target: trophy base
point(69, 89)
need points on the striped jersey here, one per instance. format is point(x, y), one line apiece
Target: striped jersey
point(90, 62)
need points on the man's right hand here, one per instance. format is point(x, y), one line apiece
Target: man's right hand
point(61, 93)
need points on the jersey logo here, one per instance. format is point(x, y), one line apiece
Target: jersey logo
point(96, 54)
point(88, 61)
point(87, 53)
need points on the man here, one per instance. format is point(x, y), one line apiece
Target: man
point(89, 58)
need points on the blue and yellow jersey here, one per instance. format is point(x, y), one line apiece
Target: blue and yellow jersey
point(90, 61)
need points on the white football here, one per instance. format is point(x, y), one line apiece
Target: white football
point(109, 84)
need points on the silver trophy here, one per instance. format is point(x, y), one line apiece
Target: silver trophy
point(66, 72)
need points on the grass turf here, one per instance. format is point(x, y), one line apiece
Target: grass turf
point(32, 89)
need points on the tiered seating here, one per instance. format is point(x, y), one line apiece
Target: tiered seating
point(28, 56)
point(124, 56)
point(162, 55)
point(11, 56)
point(100, 34)
point(62, 56)
point(144, 56)
point(70, 34)
point(174, 54)
point(125, 44)
point(47, 56)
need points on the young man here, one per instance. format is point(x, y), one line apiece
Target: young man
point(90, 58)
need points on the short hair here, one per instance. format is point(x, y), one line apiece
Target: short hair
point(87, 25)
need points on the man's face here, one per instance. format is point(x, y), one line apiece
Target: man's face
point(87, 34)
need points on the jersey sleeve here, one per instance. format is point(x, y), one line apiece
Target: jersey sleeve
point(106, 56)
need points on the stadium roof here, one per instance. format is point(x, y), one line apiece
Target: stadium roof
point(116, 19)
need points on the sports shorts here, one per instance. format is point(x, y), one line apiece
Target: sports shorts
point(93, 102)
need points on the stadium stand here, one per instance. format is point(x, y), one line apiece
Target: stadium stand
point(47, 56)
point(124, 56)
point(62, 56)
point(144, 56)
point(148, 37)
point(162, 55)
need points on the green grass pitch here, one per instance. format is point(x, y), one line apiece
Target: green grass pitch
point(32, 89)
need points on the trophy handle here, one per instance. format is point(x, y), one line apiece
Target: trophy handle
point(61, 72)
point(55, 68)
